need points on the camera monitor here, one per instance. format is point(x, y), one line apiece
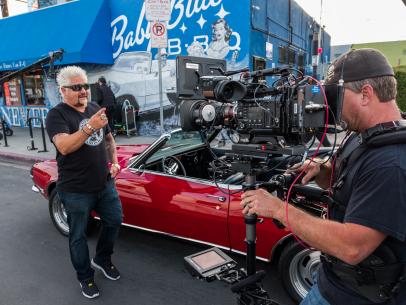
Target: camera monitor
point(189, 69)
point(208, 263)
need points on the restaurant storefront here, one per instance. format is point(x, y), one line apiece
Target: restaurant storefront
point(81, 28)
point(111, 38)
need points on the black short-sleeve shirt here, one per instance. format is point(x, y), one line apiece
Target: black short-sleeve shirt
point(85, 170)
point(378, 201)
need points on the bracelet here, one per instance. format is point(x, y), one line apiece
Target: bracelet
point(116, 165)
point(90, 127)
point(82, 130)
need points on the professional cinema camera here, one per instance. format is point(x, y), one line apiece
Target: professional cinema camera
point(285, 114)
point(265, 121)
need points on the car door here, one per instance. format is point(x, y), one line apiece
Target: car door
point(183, 206)
point(180, 206)
point(134, 198)
point(189, 208)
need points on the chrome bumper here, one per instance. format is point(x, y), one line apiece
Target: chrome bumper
point(35, 189)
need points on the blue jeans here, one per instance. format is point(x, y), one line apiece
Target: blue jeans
point(314, 296)
point(78, 207)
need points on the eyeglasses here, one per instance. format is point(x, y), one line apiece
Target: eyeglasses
point(77, 87)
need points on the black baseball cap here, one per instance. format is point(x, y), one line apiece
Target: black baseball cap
point(358, 64)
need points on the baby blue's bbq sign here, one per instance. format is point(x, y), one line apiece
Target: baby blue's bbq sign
point(212, 28)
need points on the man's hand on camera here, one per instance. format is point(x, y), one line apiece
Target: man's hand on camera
point(318, 169)
point(311, 169)
point(262, 203)
point(99, 119)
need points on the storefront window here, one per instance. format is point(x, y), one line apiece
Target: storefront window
point(12, 92)
point(1, 96)
point(34, 90)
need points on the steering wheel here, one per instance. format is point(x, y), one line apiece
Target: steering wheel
point(171, 165)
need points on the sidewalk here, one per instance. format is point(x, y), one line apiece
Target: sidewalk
point(19, 143)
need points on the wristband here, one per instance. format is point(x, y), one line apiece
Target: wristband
point(90, 127)
point(82, 130)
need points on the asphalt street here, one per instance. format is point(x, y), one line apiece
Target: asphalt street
point(36, 270)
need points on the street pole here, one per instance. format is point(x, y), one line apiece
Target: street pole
point(315, 57)
point(4, 8)
point(161, 103)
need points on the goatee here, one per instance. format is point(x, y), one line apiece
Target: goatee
point(79, 103)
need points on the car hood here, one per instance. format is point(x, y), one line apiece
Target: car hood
point(124, 153)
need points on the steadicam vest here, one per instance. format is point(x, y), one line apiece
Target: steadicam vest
point(379, 276)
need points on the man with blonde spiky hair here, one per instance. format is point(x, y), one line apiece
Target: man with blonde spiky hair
point(80, 132)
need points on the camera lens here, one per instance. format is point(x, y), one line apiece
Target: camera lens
point(229, 91)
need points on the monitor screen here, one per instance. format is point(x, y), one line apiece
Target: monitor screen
point(189, 69)
point(208, 260)
point(208, 263)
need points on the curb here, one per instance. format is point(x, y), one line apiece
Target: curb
point(22, 158)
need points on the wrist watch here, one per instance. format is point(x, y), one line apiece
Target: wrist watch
point(116, 165)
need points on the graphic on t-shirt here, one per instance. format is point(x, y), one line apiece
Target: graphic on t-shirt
point(96, 138)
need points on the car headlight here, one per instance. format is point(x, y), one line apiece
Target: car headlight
point(114, 87)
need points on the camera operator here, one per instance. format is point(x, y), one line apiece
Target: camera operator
point(363, 242)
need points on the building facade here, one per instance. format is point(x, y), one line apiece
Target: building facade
point(111, 38)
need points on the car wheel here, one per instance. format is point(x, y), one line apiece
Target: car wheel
point(58, 213)
point(60, 218)
point(9, 132)
point(296, 266)
point(127, 97)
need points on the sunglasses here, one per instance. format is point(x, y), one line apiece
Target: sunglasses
point(77, 87)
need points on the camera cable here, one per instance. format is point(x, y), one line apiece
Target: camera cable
point(288, 226)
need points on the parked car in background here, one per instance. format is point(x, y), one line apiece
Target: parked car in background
point(134, 77)
point(168, 187)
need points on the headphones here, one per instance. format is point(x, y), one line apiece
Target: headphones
point(340, 87)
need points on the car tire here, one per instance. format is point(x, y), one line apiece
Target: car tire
point(60, 220)
point(58, 213)
point(127, 97)
point(296, 266)
point(9, 132)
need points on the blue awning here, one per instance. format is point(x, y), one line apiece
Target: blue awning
point(81, 28)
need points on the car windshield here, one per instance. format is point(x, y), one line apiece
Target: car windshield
point(134, 62)
point(179, 141)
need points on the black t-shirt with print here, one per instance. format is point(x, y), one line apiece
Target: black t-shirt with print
point(378, 201)
point(85, 170)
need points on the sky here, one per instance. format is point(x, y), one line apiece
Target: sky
point(359, 21)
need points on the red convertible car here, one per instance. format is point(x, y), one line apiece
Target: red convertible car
point(168, 187)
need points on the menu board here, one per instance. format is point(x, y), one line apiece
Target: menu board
point(12, 93)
